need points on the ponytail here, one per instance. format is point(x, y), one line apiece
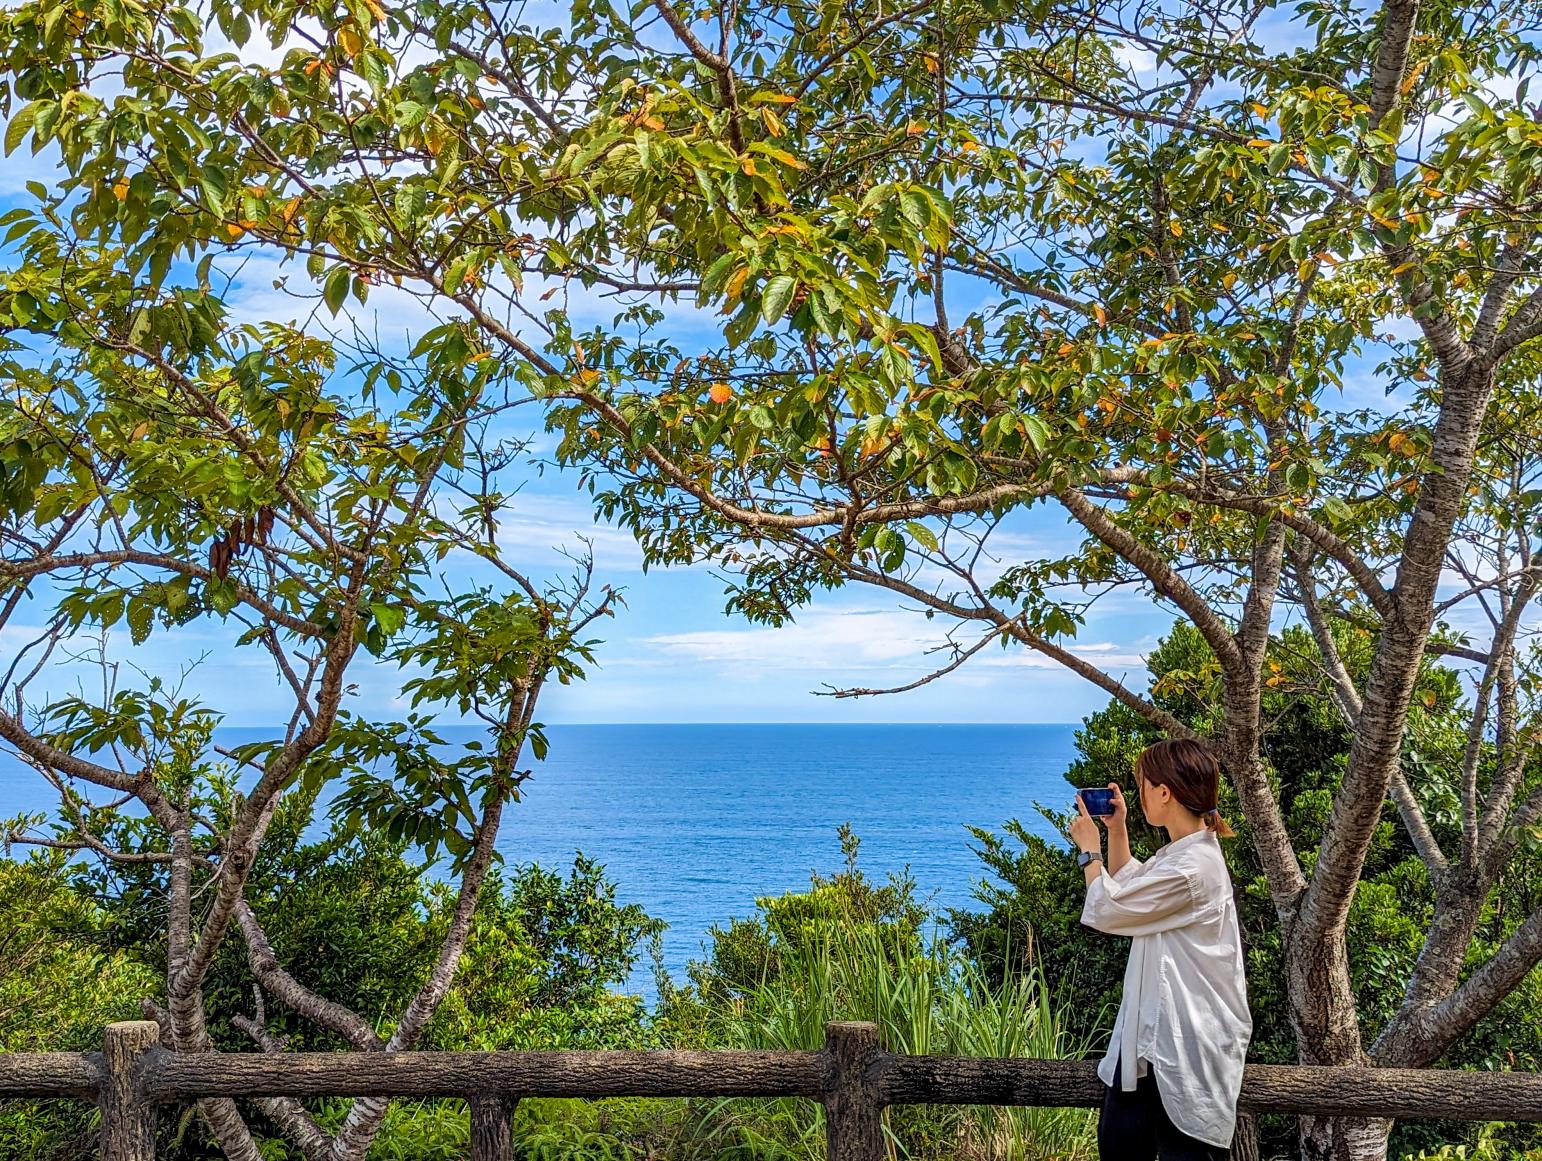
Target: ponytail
point(1215, 822)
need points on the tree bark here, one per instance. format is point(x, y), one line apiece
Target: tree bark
point(1344, 1139)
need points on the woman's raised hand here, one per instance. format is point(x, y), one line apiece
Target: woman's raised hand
point(1121, 811)
point(1084, 832)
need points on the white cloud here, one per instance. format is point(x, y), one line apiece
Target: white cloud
point(851, 640)
point(1137, 60)
point(541, 525)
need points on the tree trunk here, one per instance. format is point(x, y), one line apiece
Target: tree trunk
point(1327, 1026)
point(1344, 1139)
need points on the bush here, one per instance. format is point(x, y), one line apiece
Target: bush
point(59, 985)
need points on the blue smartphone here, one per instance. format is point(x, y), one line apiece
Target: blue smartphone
point(1098, 801)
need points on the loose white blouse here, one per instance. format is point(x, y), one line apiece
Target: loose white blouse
point(1185, 1008)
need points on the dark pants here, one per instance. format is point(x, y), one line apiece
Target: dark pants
point(1134, 1127)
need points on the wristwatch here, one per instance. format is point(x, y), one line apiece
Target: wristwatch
point(1086, 857)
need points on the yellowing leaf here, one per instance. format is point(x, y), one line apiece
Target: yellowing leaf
point(120, 189)
point(1100, 314)
point(735, 284)
point(1259, 143)
point(914, 129)
point(1413, 76)
point(233, 231)
point(1176, 227)
point(349, 40)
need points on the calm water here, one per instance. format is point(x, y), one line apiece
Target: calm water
point(696, 821)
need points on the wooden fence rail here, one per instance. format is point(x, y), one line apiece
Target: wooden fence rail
point(852, 1076)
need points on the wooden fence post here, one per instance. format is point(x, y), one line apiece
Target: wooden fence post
point(128, 1122)
point(853, 1114)
point(492, 1124)
point(1244, 1141)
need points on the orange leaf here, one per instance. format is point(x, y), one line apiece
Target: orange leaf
point(720, 393)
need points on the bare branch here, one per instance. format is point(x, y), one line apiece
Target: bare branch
point(1166, 581)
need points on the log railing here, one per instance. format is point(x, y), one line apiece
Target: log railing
point(852, 1076)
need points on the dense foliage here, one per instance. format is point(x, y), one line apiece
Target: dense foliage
point(544, 969)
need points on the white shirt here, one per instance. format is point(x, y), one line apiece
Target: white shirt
point(1185, 1007)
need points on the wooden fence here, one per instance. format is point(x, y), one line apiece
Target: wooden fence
point(851, 1076)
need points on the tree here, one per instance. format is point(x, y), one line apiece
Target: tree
point(173, 472)
point(977, 257)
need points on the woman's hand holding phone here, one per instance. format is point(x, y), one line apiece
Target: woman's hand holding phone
point(1084, 832)
point(1120, 812)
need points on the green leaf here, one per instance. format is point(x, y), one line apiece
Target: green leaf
point(922, 535)
point(775, 297)
point(335, 293)
point(390, 618)
point(18, 127)
point(409, 114)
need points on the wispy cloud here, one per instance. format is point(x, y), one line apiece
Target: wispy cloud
point(858, 640)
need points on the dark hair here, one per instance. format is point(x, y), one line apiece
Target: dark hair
point(1190, 771)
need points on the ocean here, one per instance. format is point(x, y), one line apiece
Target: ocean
point(695, 822)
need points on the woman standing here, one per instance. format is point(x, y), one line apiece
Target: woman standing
point(1174, 1064)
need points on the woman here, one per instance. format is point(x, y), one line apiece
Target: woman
point(1174, 1065)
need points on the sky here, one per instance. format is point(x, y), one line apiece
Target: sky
point(672, 654)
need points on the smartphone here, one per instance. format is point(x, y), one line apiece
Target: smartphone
point(1098, 801)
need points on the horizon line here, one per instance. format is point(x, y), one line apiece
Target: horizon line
point(278, 725)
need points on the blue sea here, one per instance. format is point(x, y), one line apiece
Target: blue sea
point(695, 822)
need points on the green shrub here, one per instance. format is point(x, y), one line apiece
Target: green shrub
point(58, 987)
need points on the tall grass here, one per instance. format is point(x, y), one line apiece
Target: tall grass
point(926, 998)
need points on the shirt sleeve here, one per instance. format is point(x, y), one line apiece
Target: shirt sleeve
point(1140, 904)
point(1125, 873)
